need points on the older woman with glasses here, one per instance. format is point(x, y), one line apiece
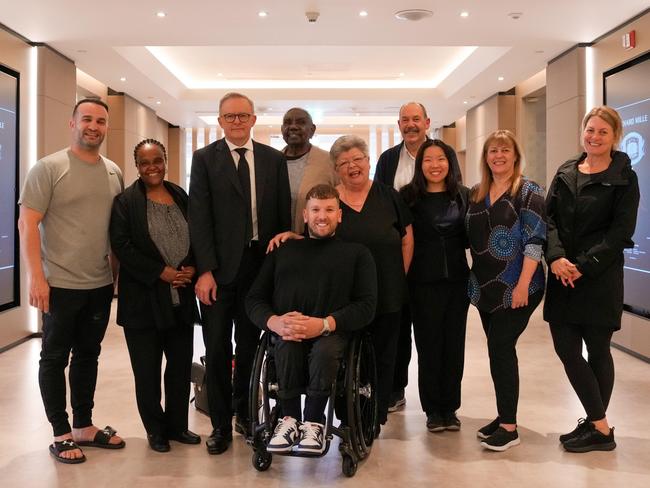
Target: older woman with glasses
point(374, 215)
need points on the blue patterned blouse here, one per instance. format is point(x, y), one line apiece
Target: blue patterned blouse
point(500, 235)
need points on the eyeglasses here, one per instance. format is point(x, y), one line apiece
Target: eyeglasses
point(358, 161)
point(230, 118)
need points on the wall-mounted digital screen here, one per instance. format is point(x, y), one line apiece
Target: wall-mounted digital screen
point(628, 91)
point(9, 261)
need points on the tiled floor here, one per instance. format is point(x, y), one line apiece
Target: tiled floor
point(405, 455)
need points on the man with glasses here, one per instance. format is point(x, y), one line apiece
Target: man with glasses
point(395, 168)
point(239, 199)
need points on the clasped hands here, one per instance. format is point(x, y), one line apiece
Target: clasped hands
point(566, 271)
point(294, 326)
point(178, 278)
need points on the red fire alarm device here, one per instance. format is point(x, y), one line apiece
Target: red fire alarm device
point(629, 40)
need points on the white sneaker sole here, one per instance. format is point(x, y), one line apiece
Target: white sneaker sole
point(310, 450)
point(505, 447)
point(280, 448)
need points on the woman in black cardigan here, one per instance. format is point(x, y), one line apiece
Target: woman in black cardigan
point(438, 280)
point(591, 208)
point(156, 304)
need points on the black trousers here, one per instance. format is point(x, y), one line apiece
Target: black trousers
point(439, 323)
point(146, 349)
point(502, 329)
point(225, 390)
point(384, 331)
point(593, 378)
point(308, 367)
point(403, 358)
point(76, 323)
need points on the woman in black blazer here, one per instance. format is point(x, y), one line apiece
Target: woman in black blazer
point(591, 207)
point(438, 280)
point(156, 304)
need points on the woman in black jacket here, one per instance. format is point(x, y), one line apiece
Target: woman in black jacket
point(591, 207)
point(156, 304)
point(438, 280)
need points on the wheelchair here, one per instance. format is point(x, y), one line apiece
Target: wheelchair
point(353, 397)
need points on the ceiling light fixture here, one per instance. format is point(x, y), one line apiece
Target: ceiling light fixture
point(464, 14)
point(161, 15)
point(413, 14)
point(262, 13)
point(219, 74)
point(363, 13)
point(500, 78)
point(158, 102)
point(465, 102)
point(401, 74)
point(123, 78)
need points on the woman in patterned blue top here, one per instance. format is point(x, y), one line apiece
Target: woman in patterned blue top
point(506, 229)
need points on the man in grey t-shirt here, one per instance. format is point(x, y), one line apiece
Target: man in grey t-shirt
point(65, 209)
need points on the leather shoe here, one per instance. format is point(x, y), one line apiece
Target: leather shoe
point(158, 443)
point(243, 426)
point(218, 441)
point(186, 437)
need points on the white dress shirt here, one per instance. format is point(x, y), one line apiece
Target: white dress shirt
point(250, 157)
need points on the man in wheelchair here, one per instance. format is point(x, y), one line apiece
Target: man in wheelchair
point(312, 293)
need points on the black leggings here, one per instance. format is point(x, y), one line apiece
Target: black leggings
point(593, 378)
point(502, 329)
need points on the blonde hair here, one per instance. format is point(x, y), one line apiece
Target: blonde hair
point(611, 117)
point(500, 137)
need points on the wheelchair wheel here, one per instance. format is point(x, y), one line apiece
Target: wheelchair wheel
point(262, 460)
point(262, 392)
point(349, 466)
point(362, 395)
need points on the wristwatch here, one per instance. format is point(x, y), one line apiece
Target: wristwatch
point(326, 328)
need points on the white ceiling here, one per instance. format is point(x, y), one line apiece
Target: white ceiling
point(341, 66)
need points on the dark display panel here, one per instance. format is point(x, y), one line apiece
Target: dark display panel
point(627, 89)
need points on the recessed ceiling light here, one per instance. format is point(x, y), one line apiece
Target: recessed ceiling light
point(262, 13)
point(158, 102)
point(401, 74)
point(123, 78)
point(464, 14)
point(219, 74)
point(500, 78)
point(413, 14)
point(363, 13)
point(161, 14)
point(465, 102)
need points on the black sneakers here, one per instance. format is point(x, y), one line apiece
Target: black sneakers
point(591, 439)
point(580, 428)
point(450, 421)
point(501, 440)
point(435, 423)
point(489, 429)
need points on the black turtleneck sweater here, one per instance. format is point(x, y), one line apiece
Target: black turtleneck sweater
point(317, 277)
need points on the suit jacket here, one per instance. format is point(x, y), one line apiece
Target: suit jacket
point(387, 165)
point(144, 299)
point(319, 170)
point(217, 211)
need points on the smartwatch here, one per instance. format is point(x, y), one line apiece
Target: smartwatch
point(326, 328)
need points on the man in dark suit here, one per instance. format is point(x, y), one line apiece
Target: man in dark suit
point(395, 168)
point(239, 199)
